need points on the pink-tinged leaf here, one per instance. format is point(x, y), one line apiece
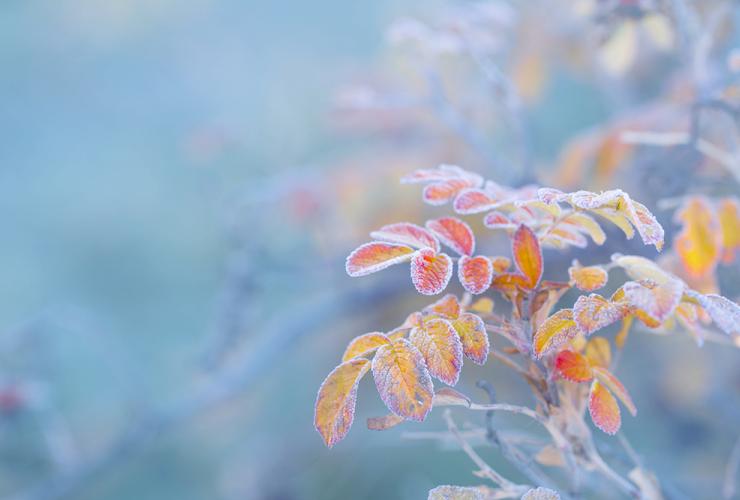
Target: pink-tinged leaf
point(405, 233)
point(550, 195)
point(604, 409)
point(440, 193)
point(384, 423)
point(403, 381)
point(364, 344)
point(527, 255)
point(441, 173)
point(430, 271)
point(657, 301)
point(335, 403)
point(372, 257)
point(472, 332)
point(500, 264)
point(498, 220)
point(447, 307)
point(605, 377)
point(724, 312)
point(595, 312)
point(475, 273)
point(554, 332)
point(413, 319)
point(473, 201)
point(573, 366)
point(450, 397)
point(440, 345)
point(454, 233)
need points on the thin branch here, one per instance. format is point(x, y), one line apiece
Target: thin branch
point(729, 485)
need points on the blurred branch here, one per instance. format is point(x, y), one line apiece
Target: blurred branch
point(729, 486)
point(276, 339)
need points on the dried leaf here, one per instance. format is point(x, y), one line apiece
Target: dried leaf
point(594, 312)
point(604, 409)
point(527, 255)
point(472, 332)
point(430, 271)
point(402, 380)
point(405, 233)
point(335, 403)
point(450, 397)
point(454, 233)
point(364, 344)
point(698, 243)
point(573, 366)
point(605, 377)
point(441, 347)
point(475, 273)
point(550, 456)
point(375, 256)
point(588, 278)
point(384, 423)
point(554, 332)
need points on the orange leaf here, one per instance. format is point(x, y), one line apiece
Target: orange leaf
point(604, 409)
point(430, 271)
point(440, 193)
point(527, 255)
point(605, 377)
point(454, 233)
point(335, 404)
point(405, 233)
point(440, 345)
point(598, 352)
point(728, 213)
point(573, 366)
point(473, 201)
point(588, 278)
point(475, 273)
point(402, 380)
point(554, 332)
point(500, 264)
point(384, 423)
point(375, 256)
point(472, 332)
point(364, 344)
point(448, 307)
point(595, 312)
point(698, 244)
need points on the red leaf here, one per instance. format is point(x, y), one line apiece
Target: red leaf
point(375, 256)
point(405, 233)
point(430, 271)
point(454, 233)
point(475, 273)
point(573, 366)
point(604, 409)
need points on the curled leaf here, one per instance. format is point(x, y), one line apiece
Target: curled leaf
point(472, 332)
point(454, 233)
point(430, 271)
point(364, 344)
point(604, 409)
point(440, 345)
point(372, 257)
point(402, 380)
point(335, 403)
point(554, 332)
point(405, 233)
point(475, 273)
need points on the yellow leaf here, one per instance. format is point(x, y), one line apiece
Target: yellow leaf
point(555, 331)
point(472, 332)
point(527, 255)
point(621, 337)
point(441, 347)
point(729, 221)
point(698, 244)
point(484, 305)
point(594, 312)
point(364, 344)
point(588, 278)
point(598, 352)
point(335, 404)
point(587, 224)
point(402, 380)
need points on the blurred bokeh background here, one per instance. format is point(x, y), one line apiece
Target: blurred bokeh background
point(181, 181)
